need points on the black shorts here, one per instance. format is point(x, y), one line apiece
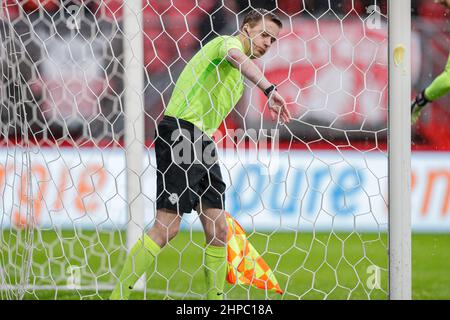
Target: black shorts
point(188, 172)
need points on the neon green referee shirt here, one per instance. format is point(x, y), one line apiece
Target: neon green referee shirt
point(208, 87)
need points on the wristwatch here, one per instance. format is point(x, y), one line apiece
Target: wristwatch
point(270, 89)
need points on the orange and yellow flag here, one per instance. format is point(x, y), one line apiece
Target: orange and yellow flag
point(245, 265)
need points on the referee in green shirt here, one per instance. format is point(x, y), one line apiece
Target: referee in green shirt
point(188, 174)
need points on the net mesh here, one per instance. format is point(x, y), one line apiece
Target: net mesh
point(312, 200)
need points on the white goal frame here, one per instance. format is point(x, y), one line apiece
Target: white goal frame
point(399, 149)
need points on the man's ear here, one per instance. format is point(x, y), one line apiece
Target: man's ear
point(245, 29)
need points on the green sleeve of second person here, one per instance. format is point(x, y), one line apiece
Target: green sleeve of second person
point(440, 86)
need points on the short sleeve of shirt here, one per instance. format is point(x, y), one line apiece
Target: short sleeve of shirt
point(229, 42)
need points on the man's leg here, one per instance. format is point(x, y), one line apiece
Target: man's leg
point(215, 227)
point(143, 253)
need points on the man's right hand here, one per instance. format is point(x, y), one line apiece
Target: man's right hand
point(277, 107)
point(417, 106)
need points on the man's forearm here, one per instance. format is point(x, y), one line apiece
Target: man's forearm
point(440, 86)
point(248, 68)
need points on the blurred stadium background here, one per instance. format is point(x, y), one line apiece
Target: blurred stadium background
point(336, 88)
point(174, 32)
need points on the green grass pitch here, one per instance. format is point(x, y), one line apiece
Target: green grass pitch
point(307, 266)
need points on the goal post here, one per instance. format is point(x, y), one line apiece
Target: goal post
point(399, 149)
point(134, 134)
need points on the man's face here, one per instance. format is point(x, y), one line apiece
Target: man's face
point(445, 3)
point(262, 35)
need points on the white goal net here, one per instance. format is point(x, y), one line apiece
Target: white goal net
point(83, 87)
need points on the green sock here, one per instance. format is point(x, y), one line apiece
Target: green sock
point(139, 260)
point(215, 271)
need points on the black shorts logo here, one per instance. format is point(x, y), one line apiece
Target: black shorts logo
point(173, 198)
